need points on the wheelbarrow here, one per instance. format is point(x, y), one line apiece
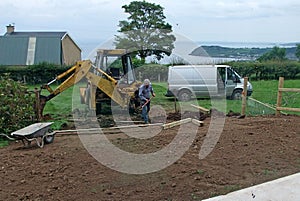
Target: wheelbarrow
point(38, 132)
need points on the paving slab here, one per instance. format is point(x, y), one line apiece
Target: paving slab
point(283, 189)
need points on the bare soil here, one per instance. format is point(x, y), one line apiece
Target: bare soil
point(250, 151)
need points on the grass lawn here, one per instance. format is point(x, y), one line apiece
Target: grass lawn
point(60, 107)
point(3, 142)
point(263, 91)
point(266, 91)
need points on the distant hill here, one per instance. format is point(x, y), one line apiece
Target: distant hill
point(239, 53)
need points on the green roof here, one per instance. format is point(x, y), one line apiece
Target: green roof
point(48, 49)
point(13, 51)
point(14, 48)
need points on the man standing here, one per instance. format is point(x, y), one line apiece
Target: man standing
point(145, 92)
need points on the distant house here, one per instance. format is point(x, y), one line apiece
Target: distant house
point(27, 48)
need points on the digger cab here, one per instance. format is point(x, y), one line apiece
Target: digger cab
point(116, 66)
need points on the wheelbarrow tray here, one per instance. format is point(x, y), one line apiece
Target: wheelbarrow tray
point(33, 132)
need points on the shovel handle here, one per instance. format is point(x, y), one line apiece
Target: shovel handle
point(148, 100)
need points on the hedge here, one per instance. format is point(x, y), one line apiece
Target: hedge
point(33, 74)
point(267, 70)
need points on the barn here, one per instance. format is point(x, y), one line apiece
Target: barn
point(28, 48)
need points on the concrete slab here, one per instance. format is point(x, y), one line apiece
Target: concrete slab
point(286, 188)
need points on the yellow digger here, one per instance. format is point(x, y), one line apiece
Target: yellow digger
point(103, 83)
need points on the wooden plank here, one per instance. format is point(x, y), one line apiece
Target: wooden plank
point(177, 123)
point(202, 109)
point(129, 121)
point(134, 126)
point(105, 130)
point(197, 122)
point(288, 109)
point(77, 130)
point(289, 89)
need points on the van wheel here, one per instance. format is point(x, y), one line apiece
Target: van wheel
point(184, 95)
point(237, 94)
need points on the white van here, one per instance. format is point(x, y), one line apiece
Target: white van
point(187, 81)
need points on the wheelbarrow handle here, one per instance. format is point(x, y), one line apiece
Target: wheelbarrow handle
point(10, 138)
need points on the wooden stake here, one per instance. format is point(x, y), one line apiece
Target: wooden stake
point(37, 105)
point(175, 105)
point(279, 96)
point(244, 96)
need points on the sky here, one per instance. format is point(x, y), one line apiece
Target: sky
point(91, 22)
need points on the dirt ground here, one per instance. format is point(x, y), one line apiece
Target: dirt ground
point(250, 151)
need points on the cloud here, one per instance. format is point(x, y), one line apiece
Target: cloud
point(229, 9)
point(97, 20)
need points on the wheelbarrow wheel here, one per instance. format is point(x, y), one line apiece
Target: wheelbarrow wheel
point(48, 139)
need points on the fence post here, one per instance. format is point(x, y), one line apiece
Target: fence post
point(37, 105)
point(279, 95)
point(244, 96)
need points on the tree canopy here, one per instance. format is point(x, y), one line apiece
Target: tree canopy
point(145, 31)
point(277, 53)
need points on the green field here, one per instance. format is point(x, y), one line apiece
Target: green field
point(60, 107)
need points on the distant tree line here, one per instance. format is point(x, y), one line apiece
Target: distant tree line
point(270, 65)
point(267, 70)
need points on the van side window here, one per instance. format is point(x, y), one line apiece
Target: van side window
point(232, 76)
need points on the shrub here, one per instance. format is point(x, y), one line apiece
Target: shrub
point(16, 110)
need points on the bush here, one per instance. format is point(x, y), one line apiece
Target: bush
point(16, 110)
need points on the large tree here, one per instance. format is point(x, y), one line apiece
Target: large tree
point(145, 31)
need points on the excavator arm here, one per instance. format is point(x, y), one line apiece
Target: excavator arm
point(78, 71)
point(75, 74)
point(97, 77)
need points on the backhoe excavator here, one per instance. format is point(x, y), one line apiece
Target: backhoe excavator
point(102, 82)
